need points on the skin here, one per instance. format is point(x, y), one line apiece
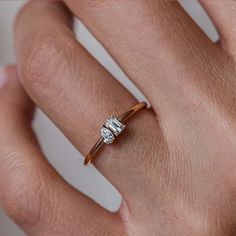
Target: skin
point(175, 166)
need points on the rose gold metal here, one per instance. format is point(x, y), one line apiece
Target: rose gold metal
point(123, 118)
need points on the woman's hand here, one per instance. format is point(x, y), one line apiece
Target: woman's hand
point(176, 165)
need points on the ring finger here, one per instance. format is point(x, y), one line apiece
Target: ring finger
point(78, 94)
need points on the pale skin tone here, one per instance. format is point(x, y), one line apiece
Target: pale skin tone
point(176, 168)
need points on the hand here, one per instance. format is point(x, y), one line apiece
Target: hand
point(175, 167)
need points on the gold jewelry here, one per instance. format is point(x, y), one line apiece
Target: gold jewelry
point(111, 129)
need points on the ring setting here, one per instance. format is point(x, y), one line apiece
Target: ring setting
point(113, 126)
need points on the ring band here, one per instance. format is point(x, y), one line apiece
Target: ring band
point(111, 129)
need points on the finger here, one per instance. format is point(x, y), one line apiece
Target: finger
point(31, 192)
point(223, 14)
point(147, 38)
point(78, 94)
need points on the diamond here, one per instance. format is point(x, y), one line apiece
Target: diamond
point(108, 136)
point(114, 125)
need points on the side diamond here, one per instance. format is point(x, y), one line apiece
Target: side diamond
point(108, 136)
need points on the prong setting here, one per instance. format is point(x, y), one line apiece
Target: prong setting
point(114, 125)
point(108, 136)
point(112, 128)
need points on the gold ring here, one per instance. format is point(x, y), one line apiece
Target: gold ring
point(111, 129)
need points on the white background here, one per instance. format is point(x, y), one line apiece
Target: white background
point(59, 151)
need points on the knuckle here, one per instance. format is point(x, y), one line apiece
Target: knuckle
point(99, 7)
point(107, 4)
point(21, 14)
point(22, 206)
point(24, 192)
point(48, 61)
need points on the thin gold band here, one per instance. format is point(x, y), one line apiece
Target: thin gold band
point(122, 118)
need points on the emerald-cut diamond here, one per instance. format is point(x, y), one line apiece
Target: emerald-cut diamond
point(108, 136)
point(114, 125)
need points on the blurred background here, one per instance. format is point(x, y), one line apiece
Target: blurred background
point(60, 153)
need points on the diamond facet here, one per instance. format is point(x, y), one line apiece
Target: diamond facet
point(108, 136)
point(114, 125)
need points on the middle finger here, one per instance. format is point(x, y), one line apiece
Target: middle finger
point(158, 46)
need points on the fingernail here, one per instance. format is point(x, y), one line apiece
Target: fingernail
point(3, 77)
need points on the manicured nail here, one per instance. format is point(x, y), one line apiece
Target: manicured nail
point(3, 77)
